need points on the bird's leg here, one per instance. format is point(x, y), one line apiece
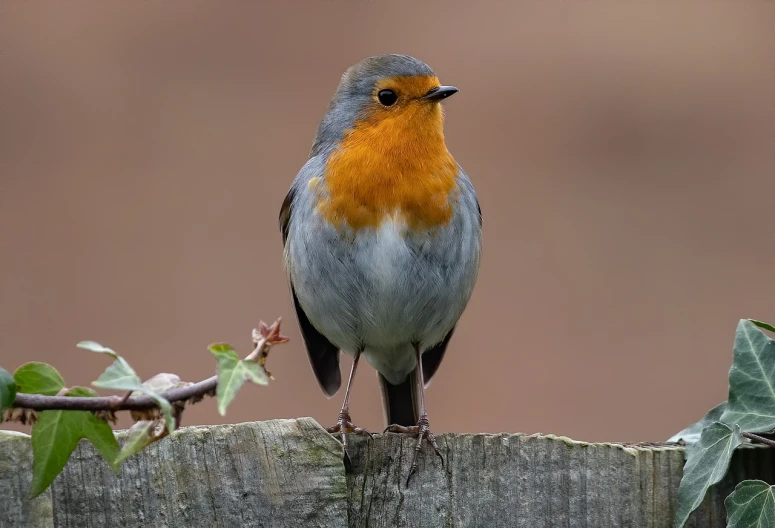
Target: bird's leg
point(344, 423)
point(423, 427)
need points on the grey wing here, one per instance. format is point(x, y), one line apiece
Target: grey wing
point(431, 358)
point(469, 187)
point(323, 356)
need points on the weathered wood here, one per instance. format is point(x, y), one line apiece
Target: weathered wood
point(280, 473)
point(535, 481)
point(291, 473)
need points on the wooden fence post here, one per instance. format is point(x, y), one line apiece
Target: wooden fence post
point(290, 473)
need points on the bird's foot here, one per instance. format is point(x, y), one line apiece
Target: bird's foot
point(423, 432)
point(345, 426)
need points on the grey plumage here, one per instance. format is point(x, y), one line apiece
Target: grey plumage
point(381, 293)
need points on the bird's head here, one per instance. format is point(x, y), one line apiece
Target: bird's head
point(387, 97)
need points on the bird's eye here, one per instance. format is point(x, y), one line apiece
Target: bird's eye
point(387, 97)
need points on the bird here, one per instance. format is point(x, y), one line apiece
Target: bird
point(382, 238)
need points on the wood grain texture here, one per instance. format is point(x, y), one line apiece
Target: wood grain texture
point(15, 478)
point(535, 481)
point(279, 473)
point(290, 473)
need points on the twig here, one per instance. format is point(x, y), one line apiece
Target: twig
point(38, 402)
point(263, 341)
point(760, 439)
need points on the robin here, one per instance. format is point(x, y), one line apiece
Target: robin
point(382, 237)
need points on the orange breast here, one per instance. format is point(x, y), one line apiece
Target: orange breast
point(393, 164)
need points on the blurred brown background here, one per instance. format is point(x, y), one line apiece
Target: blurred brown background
point(622, 153)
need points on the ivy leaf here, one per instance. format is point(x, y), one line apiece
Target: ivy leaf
point(707, 462)
point(56, 434)
point(93, 346)
point(7, 391)
point(752, 381)
point(97, 431)
point(38, 378)
point(691, 434)
point(140, 435)
point(762, 324)
point(163, 382)
point(53, 441)
point(120, 376)
point(81, 392)
point(751, 505)
point(232, 374)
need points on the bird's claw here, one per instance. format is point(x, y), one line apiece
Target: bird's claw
point(423, 431)
point(345, 426)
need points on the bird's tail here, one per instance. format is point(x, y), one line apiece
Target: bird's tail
point(400, 402)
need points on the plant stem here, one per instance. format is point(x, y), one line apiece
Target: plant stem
point(38, 402)
point(263, 340)
point(760, 439)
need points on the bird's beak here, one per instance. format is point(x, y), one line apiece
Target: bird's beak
point(439, 93)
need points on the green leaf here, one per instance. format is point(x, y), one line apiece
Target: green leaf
point(52, 442)
point(38, 378)
point(7, 391)
point(762, 324)
point(121, 376)
point(81, 392)
point(751, 403)
point(163, 382)
point(56, 434)
point(707, 462)
point(140, 435)
point(221, 347)
point(93, 346)
point(751, 505)
point(166, 409)
point(691, 434)
point(232, 374)
point(97, 431)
